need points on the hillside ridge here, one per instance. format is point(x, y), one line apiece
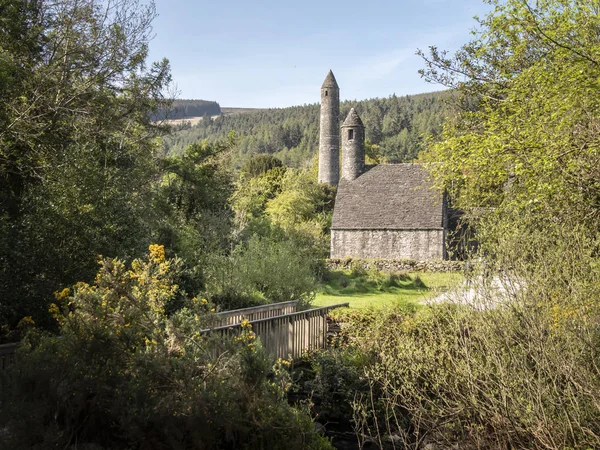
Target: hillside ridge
point(396, 128)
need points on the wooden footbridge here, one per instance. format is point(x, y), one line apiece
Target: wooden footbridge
point(283, 331)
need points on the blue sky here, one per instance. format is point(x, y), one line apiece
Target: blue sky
point(263, 53)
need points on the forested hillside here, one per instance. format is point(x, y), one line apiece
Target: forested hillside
point(184, 109)
point(395, 125)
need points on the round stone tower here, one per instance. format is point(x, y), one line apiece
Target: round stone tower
point(329, 137)
point(353, 147)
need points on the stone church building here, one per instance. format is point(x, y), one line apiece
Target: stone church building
point(387, 211)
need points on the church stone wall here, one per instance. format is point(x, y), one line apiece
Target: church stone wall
point(388, 244)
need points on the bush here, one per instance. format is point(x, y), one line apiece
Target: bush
point(418, 283)
point(344, 281)
point(229, 299)
point(276, 271)
point(351, 288)
point(382, 279)
point(331, 379)
point(126, 375)
point(357, 269)
point(519, 374)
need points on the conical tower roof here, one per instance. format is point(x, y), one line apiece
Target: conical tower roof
point(330, 81)
point(353, 119)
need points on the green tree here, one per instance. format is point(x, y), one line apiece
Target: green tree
point(76, 142)
point(515, 366)
point(282, 219)
point(192, 215)
point(259, 164)
point(270, 268)
point(530, 149)
point(301, 199)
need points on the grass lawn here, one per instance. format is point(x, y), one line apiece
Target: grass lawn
point(380, 289)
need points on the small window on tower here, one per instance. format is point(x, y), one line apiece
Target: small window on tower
point(325, 93)
point(350, 134)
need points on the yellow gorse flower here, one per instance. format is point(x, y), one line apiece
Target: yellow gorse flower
point(62, 294)
point(26, 321)
point(157, 253)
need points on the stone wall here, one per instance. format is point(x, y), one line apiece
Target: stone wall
point(419, 245)
point(399, 265)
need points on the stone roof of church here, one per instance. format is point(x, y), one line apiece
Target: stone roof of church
point(330, 81)
point(353, 119)
point(391, 197)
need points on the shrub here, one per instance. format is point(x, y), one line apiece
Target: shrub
point(401, 276)
point(382, 279)
point(351, 288)
point(344, 281)
point(125, 375)
point(274, 270)
point(516, 375)
point(418, 283)
point(357, 269)
point(333, 381)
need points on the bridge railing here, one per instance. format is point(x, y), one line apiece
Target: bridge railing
point(255, 313)
point(283, 331)
point(288, 335)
